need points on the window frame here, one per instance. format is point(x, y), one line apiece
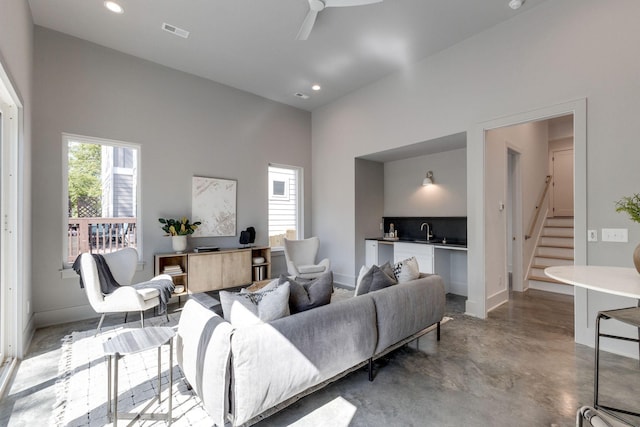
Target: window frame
point(69, 137)
point(299, 199)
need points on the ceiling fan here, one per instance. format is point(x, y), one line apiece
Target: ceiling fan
point(316, 6)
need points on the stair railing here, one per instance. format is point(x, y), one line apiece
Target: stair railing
point(543, 194)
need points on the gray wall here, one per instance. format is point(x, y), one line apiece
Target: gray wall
point(404, 194)
point(554, 53)
point(369, 200)
point(16, 56)
point(186, 126)
point(531, 141)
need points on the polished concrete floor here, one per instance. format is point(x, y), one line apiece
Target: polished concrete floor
point(520, 367)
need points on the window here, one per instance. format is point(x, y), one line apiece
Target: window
point(285, 204)
point(101, 200)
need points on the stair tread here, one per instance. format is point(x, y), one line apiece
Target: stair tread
point(542, 266)
point(556, 246)
point(545, 279)
point(568, 258)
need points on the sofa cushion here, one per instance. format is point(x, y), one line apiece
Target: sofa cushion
point(311, 294)
point(251, 308)
point(375, 279)
point(407, 270)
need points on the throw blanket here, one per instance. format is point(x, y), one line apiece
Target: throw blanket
point(108, 284)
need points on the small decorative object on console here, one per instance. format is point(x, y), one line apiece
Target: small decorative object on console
point(631, 205)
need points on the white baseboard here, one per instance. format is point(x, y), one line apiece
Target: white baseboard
point(344, 280)
point(28, 335)
point(473, 309)
point(497, 299)
point(458, 288)
point(64, 315)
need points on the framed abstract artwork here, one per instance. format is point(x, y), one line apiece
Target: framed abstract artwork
point(214, 203)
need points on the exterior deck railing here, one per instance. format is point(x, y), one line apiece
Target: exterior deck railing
point(99, 235)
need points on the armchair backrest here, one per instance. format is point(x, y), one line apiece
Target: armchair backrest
point(122, 264)
point(301, 252)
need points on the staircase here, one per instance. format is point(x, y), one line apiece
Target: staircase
point(555, 247)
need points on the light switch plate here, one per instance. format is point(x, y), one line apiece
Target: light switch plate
point(620, 235)
point(592, 235)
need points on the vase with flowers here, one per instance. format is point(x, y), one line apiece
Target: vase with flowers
point(178, 229)
point(631, 205)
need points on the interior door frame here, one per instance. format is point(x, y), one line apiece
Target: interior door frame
point(477, 304)
point(514, 200)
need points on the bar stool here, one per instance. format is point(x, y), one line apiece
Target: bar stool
point(630, 316)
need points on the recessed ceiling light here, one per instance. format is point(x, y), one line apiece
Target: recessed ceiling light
point(113, 6)
point(316, 87)
point(516, 4)
point(301, 95)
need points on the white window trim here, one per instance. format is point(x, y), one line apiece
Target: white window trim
point(66, 138)
point(15, 310)
point(299, 202)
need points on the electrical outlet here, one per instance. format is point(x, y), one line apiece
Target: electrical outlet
point(592, 235)
point(620, 235)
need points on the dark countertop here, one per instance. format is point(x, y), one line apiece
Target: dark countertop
point(435, 242)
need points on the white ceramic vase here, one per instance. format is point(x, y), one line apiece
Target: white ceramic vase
point(179, 243)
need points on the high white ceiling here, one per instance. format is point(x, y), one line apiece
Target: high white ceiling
point(250, 44)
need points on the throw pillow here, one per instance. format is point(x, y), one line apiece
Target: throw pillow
point(309, 294)
point(388, 269)
point(374, 280)
point(363, 270)
point(407, 270)
point(251, 308)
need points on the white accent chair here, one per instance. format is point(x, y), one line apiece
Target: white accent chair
point(301, 258)
point(122, 264)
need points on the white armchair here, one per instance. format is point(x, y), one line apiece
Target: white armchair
point(122, 264)
point(301, 258)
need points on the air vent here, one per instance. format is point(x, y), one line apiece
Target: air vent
point(175, 30)
point(301, 95)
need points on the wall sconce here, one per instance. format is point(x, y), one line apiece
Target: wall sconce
point(428, 180)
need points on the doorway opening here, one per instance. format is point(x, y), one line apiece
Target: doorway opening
point(529, 178)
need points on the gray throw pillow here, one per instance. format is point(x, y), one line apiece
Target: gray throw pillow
point(374, 280)
point(388, 269)
point(251, 308)
point(309, 294)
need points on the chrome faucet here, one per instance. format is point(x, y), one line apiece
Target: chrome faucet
point(429, 234)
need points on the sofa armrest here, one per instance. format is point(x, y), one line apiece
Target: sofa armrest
point(406, 308)
point(203, 349)
point(274, 361)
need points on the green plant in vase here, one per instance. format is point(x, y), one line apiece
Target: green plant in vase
point(631, 206)
point(178, 229)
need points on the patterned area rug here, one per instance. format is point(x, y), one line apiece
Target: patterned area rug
point(81, 389)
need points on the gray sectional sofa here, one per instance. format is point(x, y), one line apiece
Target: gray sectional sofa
point(245, 374)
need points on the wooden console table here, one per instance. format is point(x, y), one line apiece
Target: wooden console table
point(209, 271)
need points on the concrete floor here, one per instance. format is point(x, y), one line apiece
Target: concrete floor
point(520, 367)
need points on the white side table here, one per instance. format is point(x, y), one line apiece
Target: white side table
point(131, 342)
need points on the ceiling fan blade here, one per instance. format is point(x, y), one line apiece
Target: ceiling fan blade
point(346, 3)
point(307, 25)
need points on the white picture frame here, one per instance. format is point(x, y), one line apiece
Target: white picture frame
point(214, 204)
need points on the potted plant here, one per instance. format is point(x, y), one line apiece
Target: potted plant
point(178, 229)
point(631, 205)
